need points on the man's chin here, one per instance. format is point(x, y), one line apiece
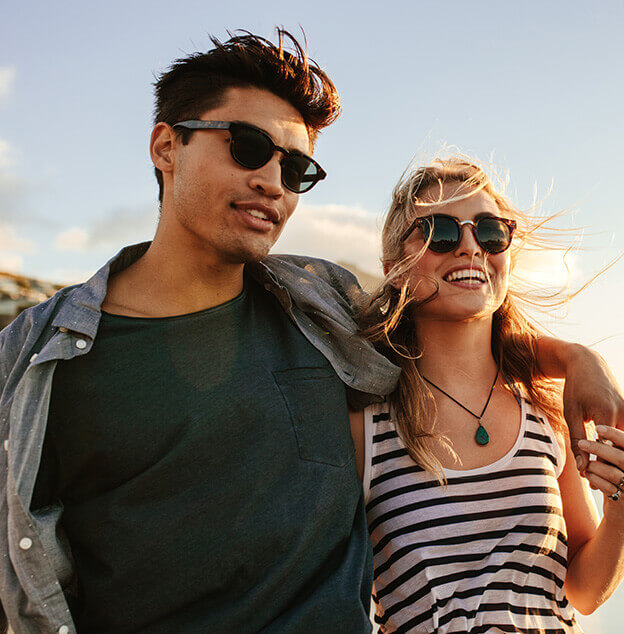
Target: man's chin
point(252, 254)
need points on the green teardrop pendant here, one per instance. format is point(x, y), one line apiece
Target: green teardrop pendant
point(482, 437)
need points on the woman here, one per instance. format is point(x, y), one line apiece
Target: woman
point(479, 518)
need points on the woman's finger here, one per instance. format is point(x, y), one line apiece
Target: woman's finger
point(600, 484)
point(606, 471)
point(616, 436)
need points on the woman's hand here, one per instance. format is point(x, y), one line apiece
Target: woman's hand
point(596, 558)
point(606, 473)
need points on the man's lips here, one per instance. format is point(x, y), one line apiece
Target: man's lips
point(259, 211)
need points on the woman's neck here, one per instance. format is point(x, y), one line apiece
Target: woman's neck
point(455, 352)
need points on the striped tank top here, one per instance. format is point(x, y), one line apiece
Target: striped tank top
point(486, 553)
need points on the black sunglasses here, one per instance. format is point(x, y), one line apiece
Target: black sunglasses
point(443, 233)
point(252, 148)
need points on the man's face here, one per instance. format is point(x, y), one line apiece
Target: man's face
point(223, 209)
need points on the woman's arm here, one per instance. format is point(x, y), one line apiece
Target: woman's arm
point(595, 550)
point(590, 392)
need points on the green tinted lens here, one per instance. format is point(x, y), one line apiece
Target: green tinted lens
point(298, 173)
point(445, 234)
point(493, 235)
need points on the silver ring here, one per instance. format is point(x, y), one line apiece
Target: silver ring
point(621, 484)
point(616, 496)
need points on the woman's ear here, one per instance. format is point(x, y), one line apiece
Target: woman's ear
point(397, 281)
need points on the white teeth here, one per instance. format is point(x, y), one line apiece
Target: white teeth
point(257, 214)
point(466, 275)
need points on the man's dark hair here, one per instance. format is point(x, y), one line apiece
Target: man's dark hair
point(198, 82)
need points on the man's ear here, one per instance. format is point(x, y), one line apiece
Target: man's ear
point(397, 282)
point(162, 146)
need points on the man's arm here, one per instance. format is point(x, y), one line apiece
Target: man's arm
point(12, 340)
point(4, 369)
point(590, 392)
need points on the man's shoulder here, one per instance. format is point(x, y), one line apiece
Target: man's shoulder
point(286, 266)
point(314, 265)
point(31, 321)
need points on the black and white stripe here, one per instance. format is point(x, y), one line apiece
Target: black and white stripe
point(486, 553)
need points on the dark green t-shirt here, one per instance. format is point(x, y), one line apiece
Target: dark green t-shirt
point(206, 470)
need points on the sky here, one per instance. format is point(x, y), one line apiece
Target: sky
point(533, 88)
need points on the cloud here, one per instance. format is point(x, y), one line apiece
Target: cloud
point(11, 263)
point(10, 241)
point(11, 192)
point(7, 76)
point(6, 154)
point(68, 276)
point(334, 232)
point(122, 226)
point(14, 199)
point(75, 239)
point(13, 248)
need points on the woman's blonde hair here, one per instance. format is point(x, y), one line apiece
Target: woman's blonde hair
point(387, 320)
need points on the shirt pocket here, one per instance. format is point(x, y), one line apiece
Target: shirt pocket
point(317, 403)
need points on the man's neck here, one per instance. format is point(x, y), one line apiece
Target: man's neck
point(169, 281)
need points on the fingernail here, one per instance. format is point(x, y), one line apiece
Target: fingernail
point(583, 444)
point(601, 429)
point(579, 462)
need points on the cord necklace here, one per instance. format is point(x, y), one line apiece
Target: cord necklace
point(482, 438)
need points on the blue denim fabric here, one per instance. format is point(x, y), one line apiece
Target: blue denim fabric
point(36, 562)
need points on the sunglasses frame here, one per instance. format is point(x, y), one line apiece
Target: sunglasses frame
point(430, 219)
point(195, 124)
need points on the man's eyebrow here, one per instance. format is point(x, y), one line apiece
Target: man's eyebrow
point(253, 125)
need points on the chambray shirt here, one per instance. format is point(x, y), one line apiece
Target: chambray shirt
point(36, 563)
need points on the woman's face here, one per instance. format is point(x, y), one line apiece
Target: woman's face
point(472, 284)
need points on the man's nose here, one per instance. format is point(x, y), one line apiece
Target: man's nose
point(268, 178)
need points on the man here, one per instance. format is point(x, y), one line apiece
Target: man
point(178, 456)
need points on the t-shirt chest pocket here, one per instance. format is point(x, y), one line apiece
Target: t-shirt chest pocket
point(317, 404)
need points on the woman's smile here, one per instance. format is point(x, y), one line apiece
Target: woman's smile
point(465, 282)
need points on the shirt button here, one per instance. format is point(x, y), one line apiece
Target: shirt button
point(63, 629)
point(81, 344)
point(25, 543)
point(6, 445)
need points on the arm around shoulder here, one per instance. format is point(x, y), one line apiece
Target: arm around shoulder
point(591, 392)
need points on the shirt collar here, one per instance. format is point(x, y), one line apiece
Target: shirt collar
point(82, 309)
